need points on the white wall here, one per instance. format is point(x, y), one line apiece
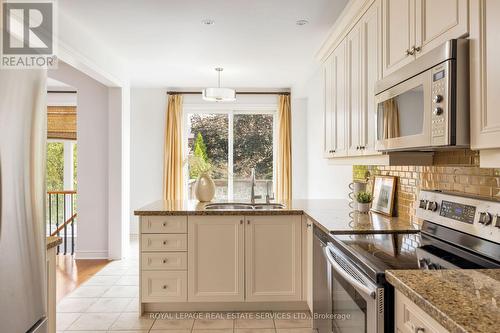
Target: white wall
point(299, 148)
point(323, 180)
point(147, 118)
point(92, 169)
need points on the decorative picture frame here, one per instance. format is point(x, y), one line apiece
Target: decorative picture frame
point(384, 188)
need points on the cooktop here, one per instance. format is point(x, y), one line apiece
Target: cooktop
point(376, 253)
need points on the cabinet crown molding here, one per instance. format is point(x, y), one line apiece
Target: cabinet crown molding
point(351, 14)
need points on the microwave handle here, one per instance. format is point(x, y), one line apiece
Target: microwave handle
point(351, 279)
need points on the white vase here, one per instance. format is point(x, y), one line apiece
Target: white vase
point(363, 207)
point(205, 188)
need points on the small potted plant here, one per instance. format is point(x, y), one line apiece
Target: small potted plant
point(364, 200)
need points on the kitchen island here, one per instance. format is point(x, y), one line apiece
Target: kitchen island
point(333, 216)
point(196, 258)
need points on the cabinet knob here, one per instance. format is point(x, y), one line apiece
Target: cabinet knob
point(164, 224)
point(418, 49)
point(419, 330)
point(164, 242)
point(248, 221)
point(241, 221)
point(309, 225)
point(164, 260)
point(164, 286)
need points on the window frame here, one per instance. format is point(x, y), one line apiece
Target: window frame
point(230, 110)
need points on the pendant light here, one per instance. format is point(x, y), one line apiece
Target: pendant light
point(219, 94)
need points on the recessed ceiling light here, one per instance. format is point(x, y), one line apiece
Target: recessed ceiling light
point(208, 22)
point(301, 22)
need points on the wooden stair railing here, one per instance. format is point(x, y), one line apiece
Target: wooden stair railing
point(60, 205)
point(62, 226)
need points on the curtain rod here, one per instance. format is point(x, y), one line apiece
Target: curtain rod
point(237, 93)
point(61, 91)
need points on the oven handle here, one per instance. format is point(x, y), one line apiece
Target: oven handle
point(368, 291)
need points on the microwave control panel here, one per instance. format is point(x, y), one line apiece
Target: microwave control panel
point(439, 128)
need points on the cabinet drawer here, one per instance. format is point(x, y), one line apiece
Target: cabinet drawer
point(164, 286)
point(164, 224)
point(164, 261)
point(164, 242)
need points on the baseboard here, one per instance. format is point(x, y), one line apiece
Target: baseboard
point(225, 306)
point(91, 254)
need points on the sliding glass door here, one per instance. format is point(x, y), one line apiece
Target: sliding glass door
point(233, 142)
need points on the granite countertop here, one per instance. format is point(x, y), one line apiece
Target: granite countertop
point(462, 300)
point(53, 241)
point(331, 215)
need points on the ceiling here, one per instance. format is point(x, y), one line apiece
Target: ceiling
point(165, 44)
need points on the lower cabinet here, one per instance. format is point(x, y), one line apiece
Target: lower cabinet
point(411, 319)
point(224, 259)
point(159, 286)
point(216, 258)
point(273, 258)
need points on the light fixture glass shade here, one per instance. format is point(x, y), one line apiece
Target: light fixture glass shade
point(219, 94)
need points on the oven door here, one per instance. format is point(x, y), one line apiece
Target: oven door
point(358, 304)
point(404, 115)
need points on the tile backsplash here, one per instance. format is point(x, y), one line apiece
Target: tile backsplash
point(456, 171)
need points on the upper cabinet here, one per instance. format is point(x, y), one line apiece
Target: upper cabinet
point(350, 73)
point(414, 27)
point(485, 80)
point(334, 71)
point(399, 33)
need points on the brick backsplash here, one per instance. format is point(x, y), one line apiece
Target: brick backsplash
point(456, 171)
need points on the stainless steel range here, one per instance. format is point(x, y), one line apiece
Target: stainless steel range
point(350, 290)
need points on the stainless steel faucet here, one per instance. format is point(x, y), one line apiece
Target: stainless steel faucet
point(268, 196)
point(252, 194)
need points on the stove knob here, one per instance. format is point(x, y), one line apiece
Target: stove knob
point(423, 263)
point(497, 223)
point(432, 206)
point(485, 218)
point(423, 204)
point(432, 266)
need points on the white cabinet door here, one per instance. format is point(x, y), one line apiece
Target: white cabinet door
point(355, 89)
point(410, 318)
point(273, 258)
point(485, 74)
point(372, 72)
point(339, 108)
point(399, 33)
point(439, 21)
point(216, 258)
point(328, 129)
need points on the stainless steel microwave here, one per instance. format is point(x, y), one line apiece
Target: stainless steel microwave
point(425, 104)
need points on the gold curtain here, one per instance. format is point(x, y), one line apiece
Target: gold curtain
point(391, 119)
point(172, 173)
point(284, 160)
point(61, 122)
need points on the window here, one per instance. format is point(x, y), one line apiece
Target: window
point(233, 142)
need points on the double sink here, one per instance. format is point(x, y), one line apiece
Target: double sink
point(243, 206)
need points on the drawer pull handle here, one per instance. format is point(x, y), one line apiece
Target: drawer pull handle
point(164, 242)
point(164, 261)
point(164, 286)
point(164, 224)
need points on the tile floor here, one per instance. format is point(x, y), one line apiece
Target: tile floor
point(108, 302)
